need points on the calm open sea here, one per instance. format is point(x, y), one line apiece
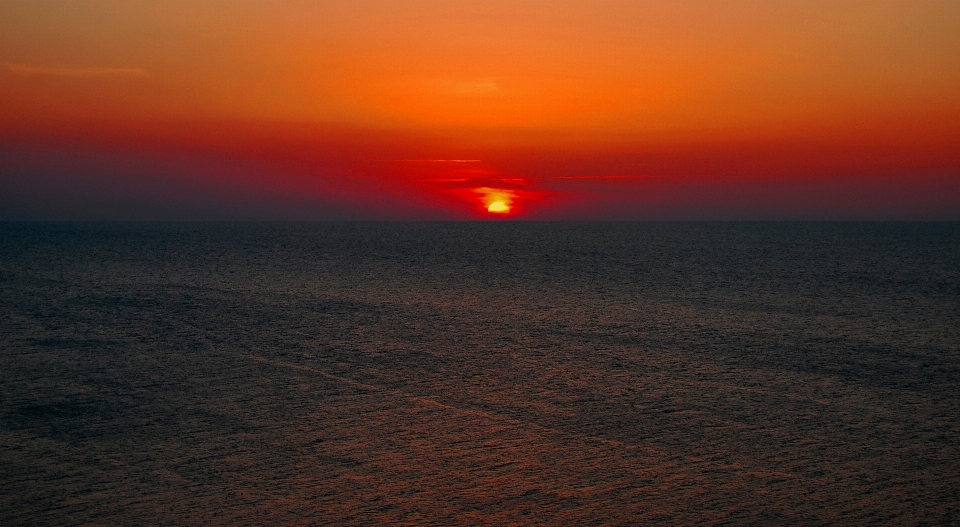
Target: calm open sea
point(480, 373)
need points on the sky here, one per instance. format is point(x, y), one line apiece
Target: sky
point(480, 110)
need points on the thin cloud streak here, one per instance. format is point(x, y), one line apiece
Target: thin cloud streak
point(437, 160)
point(23, 69)
point(601, 177)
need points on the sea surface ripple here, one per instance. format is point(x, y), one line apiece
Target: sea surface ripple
point(480, 373)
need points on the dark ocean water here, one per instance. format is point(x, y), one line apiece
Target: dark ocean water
point(480, 374)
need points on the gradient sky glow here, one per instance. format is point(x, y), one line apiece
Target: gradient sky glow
point(422, 109)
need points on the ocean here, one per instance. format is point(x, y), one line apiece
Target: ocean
point(480, 373)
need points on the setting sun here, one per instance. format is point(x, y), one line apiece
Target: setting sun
point(498, 207)
point(495, 200)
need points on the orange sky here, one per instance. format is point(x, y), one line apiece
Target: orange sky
point(410, 109)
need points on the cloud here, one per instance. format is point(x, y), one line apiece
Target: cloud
point(444, 180)
point(437, 160)
point(601, 177)
point(23, 69)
